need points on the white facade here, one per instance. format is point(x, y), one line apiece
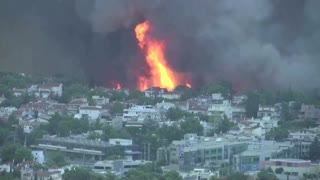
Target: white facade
point(92, 112)
point(140, 113)
point(302, 135)
point(266, 111)
point(28, 129)
point(54, 88)
point(170, 95)
point(221, 108)
point(100, 100)
point(38, 156)
point(164, 105)
point(121, 142)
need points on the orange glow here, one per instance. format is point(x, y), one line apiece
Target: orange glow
point(118, 86)
point(188, 85)
point(161, 75)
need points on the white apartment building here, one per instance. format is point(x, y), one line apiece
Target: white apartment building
point(140, 113)
point(38, 156)
point(92, 112)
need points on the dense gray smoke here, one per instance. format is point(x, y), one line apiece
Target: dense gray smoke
point(265, 43)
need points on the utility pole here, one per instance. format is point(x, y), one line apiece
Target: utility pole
point(15, 132)
point(148, 151)
point(144, 151)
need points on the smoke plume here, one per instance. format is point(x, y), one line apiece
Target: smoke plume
point(265, 43)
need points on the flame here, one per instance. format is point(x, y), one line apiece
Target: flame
point(118, 86)
point(161, 74)
point(188, 85)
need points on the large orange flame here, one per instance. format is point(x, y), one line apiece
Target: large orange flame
point(161, 74)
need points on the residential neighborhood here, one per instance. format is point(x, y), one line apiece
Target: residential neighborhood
point(50, 129)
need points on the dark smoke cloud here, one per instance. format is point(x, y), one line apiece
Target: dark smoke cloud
point(265, 43)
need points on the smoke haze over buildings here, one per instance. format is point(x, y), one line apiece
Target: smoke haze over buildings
point(265, 43)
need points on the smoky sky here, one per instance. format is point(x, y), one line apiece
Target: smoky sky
point(265, 43)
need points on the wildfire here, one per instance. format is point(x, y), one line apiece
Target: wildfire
point(188, 85)
point(161, 74)
point(116, 85)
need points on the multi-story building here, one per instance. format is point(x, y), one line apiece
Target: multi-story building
point(292, 168)
point(266, 111)
point(91, 112)
point(118, 167)
point(260, 151)
point(309, 112)
point(140, 113)
point(196, 151)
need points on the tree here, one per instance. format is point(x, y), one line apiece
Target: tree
point(237, 176)
point(191, 125)
point(266, 174)
point(57, 159)
point(286, 114)
point(117, 108)
point(77, 174)
point(314, 152)
point(172, 175)
point(277, 134)
point(279, 170)
point(174, 114)
point(15, 152)
point(225, 125)
point(223, 88)
point(252, 104)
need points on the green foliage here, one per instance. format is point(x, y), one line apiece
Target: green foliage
point(115, 152)
point(277, 134)
point(286, 113)
point(174, 114)
point(57, 159)
point(15, 175)
point(314, 152)
point(224, 88)
point(252, 104)
point(75, 90)
point(117, 108)
point(16, 101)
point(266, 174)
point(279, 170)
point(237, 176)
point(63, 125)
point(186, 93)
point(224, 125)
point(172, 175)
point(78, 173)
point(191, 125)
point(118, 96)
point(15, 152)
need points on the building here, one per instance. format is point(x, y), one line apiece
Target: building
point(100, 101)
point(19, 92)
point(117, 167)
point(91, 112)
point(75, 104)
point(140, 113)
point(194, 151)
point(38, 156)
point(266, 111)
point(302, 135)
point(292, 168)
point(155, 92)
point(260, 151)
point(309, 112)
point(170, 95)
point(53, 88)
